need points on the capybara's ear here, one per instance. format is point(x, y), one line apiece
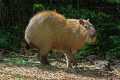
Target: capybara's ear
point(81, 21)
point(88, 20)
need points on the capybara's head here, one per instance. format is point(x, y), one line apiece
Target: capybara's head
point(91, 32)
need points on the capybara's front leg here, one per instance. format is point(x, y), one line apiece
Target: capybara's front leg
point(70, 60)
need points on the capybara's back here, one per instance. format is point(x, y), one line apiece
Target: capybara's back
point(42, 26)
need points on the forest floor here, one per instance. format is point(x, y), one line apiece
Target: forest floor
point(56, 71)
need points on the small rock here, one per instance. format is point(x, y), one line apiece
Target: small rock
point(101, 64)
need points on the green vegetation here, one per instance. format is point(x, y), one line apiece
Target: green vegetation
point(114, 1)
point(106, 24)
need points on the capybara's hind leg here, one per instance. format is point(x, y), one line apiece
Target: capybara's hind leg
point(43, 57)
point(24, 48)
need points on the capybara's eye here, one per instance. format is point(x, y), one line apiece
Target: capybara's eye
point(86, 27)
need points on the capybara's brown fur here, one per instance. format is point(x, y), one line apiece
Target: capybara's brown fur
point(49, 30)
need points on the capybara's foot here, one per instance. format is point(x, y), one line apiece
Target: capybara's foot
point(44, 60)
point(71, 64)
point(74, 63)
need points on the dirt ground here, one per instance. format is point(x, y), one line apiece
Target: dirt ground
point(54, 72)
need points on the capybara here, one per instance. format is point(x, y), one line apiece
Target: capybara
point(49, 30)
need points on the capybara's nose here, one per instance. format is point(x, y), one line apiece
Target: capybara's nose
point(93, 35)
point(92, 32)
